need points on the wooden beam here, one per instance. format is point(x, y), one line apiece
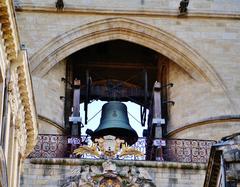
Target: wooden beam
point(113, 65)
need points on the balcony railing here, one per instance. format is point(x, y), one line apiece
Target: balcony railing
point(188, 150)
point(176, 150)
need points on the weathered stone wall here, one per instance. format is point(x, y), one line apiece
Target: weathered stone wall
point(52, 172)
point(196, 100)
point(18, 120)
point(210, 30)
point(48, 90)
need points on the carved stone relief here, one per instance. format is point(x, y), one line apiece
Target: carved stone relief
point(18, 114)
point(109, 175)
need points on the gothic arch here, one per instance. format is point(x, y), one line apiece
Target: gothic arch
point(129, 30)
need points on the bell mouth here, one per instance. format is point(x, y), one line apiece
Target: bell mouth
point(130, 137)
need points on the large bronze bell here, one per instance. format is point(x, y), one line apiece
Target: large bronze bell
point(114, 121)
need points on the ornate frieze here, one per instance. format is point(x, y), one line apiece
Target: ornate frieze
point(109, 175)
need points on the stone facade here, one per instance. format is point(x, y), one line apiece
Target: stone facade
point(59, 172)
point(202, 48)
point(51, 88)
point(18, 117)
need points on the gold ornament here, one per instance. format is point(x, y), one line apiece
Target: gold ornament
point(87, 150)
point(130, 151)
point(108, 147)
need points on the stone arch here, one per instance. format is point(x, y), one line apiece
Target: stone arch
point(129, 30)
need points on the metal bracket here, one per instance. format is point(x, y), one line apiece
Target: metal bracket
point(66, 81)
point(158, 121)
point(169, 102)
point(75, 120)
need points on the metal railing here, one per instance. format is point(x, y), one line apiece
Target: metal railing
point(185, 150)
point(176, 150)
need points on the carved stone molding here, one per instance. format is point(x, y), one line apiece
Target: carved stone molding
point(20, 88)
point(21, 135)
point(18, 116)
point(23, 110)
point(6, 21)
point(29, 118)
point(3, 169)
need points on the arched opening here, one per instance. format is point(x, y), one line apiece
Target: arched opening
point(141, 50)
point(116, 70)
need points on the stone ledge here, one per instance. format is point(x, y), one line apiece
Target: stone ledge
point(149, 164)
point(206, 8)
point(120, 12)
